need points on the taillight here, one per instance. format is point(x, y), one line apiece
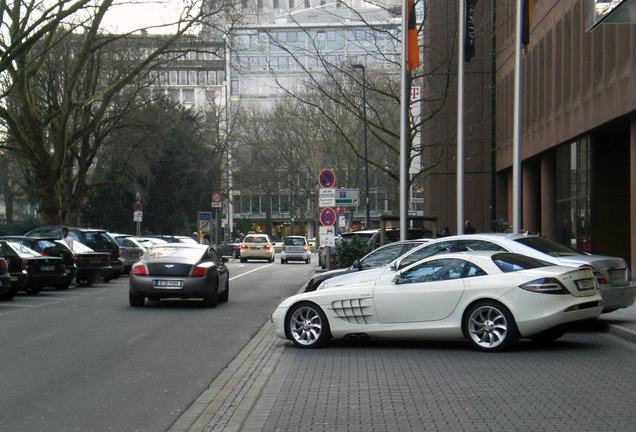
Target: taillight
point(139, 270)
point(267, 246)
point(545, 286)
point(597, 274)
point(199, 271)
point(243, 246)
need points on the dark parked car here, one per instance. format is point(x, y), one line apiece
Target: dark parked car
point(91, 265)
point(41, 270)
point(48, 246)
point(230, 247)
point(376, 258)
point(180, 271)
point(5, 281)
point(96, 239)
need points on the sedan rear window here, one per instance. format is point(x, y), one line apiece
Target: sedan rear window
point(159, 252)
point(255, 239)
point(294, 241)
point(547, 246)
point(510, 262)
point(97, 240)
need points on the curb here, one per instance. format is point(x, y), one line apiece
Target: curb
point(622, 332)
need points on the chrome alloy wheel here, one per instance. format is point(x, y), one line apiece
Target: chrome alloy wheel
point(487, 327)
point(305, 326)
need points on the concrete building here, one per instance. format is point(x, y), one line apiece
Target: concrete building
point(578, 138)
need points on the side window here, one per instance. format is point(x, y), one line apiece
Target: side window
point(472, 271)
point(433, 271)
point(426, 252)
point(75, 237)
point(479, 245)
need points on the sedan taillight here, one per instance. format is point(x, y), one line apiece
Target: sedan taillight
point(139, 270)
point(597, 274)
point(545, 286)
point(199, 271)
point(243, 246)
point(267, 246)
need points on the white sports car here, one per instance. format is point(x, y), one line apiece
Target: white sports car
point(489, 298)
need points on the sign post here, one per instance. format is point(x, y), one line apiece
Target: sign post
point(138, 214)
point(327, 200)
point(217, 203)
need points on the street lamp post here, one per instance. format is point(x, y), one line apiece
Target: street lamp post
point(366, 146)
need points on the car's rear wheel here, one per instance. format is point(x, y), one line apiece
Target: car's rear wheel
point(489, 326)
point(223, 298)
point(307, 326)
point(136, 300)
point(212, 299)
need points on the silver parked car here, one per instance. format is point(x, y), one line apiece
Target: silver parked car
point(612, 273)
point(178, 270)
point(130, 250)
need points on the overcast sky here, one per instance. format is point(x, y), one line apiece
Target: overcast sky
point(131, 15)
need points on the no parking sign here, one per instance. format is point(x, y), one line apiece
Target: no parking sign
point(327, 216)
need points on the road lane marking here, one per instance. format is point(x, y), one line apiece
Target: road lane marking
point(251, 271)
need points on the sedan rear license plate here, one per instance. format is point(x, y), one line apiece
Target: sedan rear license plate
point(254, 247)
point(47, 268)
point(617, 274)
point(584, 284)
point(14, 278)
point(167, 283)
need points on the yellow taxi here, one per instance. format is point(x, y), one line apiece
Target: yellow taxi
point(257, 246)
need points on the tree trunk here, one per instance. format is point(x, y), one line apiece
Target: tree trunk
point(8, 201)
point(49, 199)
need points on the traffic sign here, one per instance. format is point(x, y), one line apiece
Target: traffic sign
point(137, 206)
point(217, 200)
point(327, 197)
point(138, 216)
point(204, 215)
point(327, 236)
point(327, 216)
point(204, 225)
point(327, 178)
point(347, 197)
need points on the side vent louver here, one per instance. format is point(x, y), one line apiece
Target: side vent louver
point(354, 311)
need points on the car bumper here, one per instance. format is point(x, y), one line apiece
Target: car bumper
point(278, 319)
point(18, 280)
point(294, 256)
point(191, 287)
point(116, 267)
point(45, 279)
point(5, 284)
point(616, 297)
point(257, 254)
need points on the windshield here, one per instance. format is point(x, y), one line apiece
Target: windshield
point(255, 239)
point(98, 240)
point(81, 248)
point(362, 237)
point(547, 246)
point(23, 251)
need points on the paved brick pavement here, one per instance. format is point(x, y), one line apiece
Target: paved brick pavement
point(586, 381)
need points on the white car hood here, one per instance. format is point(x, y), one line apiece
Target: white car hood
point(358, 278)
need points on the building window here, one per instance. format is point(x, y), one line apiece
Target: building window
point(276, 4)
point(307, 4)
point(244, 4)
point(183, 77)
point(174, 78)
point(174, 95)
point(212, 78)
point(323, 2)
point(202, 78)
point(234, 87)
point(192, 77)
point(259, 5)
point(573, 184)
point(188, 96)
point(291, 4)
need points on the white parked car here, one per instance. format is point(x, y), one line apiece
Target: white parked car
point(612, 273)
point(489, 298)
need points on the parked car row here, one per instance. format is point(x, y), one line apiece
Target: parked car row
point(490, 289)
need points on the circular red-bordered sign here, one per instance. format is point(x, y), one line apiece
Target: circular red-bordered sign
point(327, 216)
point(327, 178)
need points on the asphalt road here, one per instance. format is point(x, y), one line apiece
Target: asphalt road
point(83, 360)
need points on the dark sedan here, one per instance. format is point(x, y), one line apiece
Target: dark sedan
point(17, 269)
point(41, 270)
point(230, 247)
point(376, 258)
point(49, 246)
point(91, 265)
point(182, 271)
point(96, 239)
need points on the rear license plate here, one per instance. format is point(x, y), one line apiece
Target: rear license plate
point(584, 284)
point(254, 247)
point(167, 283)
point(617, 274)
point(14, 278)
point(47, 268)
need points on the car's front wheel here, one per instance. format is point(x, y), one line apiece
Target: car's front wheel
point(136, 300)
point(489, 326)
point(307, 326)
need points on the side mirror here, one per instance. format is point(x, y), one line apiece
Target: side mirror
point(394, 266)
point(357, 264)
point(397, 279)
